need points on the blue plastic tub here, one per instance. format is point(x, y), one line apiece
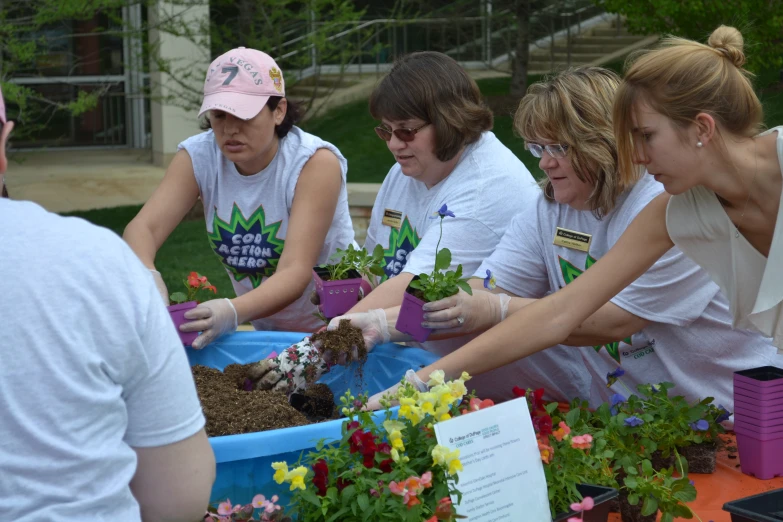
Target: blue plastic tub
point(244, 461)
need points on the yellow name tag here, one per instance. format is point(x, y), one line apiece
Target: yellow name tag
point(572, 239)
point(392, 218)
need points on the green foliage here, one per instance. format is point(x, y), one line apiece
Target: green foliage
point(368, 265)
point(441, 283)
point(758, 20)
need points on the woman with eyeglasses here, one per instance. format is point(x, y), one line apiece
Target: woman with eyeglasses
point(670, 325)
point(438, 130)
point(274, 199)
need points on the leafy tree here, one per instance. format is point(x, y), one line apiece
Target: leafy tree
point(759, 20)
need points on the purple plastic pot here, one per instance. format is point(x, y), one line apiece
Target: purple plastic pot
point(755, 410)
point(760, 456)
point(756, 401)
point(411, 316)
point(757, 431)
point(762, 377)
point(177, 313)
point(762, 394)
point(757, 421)
point(336, 297)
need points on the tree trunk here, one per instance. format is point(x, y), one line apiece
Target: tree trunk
point(522, 52)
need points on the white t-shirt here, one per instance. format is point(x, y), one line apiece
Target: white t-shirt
point(689, 341)
point(700, 227)
point(487, 187)
point(92, 366)
point(247, 217)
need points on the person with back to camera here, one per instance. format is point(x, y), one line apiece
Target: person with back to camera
point(274, 197)
point(687, 112)
point(100, 417)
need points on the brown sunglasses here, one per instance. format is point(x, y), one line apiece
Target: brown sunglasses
point(402, 134)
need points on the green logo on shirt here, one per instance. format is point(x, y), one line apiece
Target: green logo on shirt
point(247, 247)
point(401, 243)
point(570, 272)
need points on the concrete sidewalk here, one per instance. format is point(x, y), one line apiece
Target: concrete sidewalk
point(63, 181)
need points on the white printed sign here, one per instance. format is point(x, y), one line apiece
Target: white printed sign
point(503, 477)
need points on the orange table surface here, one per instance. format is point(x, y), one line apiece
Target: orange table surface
point(726, 484)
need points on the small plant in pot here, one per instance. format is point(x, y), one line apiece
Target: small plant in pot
point(425, 288)
point(184, 301)
point(338, 282)
point(701, 449)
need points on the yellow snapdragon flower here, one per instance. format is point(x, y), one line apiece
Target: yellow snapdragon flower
point(446, 458)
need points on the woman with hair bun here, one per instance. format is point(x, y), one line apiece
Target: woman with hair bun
point(687, 113)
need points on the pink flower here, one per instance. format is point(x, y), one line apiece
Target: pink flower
point(582, 441)
point(293, 355)
point(225, 508)
point(586, 504)
point(426, 480)
point(562, 431)
point(477, 404)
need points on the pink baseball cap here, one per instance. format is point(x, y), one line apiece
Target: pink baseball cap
point(240, 82)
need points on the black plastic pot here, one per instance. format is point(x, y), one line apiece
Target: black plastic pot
point(601, 496)
point(766, 507)
point(314, 408)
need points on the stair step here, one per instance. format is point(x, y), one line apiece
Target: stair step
point(607, 40)
point(545, 56)
point(610, 31)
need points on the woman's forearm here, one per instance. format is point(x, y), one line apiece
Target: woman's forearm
point(277, 292)
point(142, 241)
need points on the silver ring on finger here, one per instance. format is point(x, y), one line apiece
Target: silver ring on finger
point(460, 320)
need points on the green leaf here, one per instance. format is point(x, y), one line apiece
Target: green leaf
point(465, 286)
point(364, 501)
point(631, 483)
point(443, 259)
point(348, 493)
point(633, 498)
point(178, 297)
point(311, 497)
point(337, 515)
point(649, 506)
point(667, 517)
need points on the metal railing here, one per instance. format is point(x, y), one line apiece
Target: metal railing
point(475, 41)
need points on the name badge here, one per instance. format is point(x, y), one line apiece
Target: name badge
point(572, 239)
point(392, 218)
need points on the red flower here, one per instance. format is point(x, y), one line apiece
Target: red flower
point(519, 392)
point(384, 448)
point(194, 280)
point(385, 465)
point(321, 478)
point(342, 483)
point(212, 288)
point(543, 425)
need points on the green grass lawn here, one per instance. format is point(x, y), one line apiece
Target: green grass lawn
point(350, 128)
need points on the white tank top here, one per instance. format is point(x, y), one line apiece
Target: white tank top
point(247, 217)
point(753, 284)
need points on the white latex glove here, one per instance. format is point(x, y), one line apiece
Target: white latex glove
point(374, 402)
point(468, 313)
point(292, 370)
point(213, 319)
point(374, 327)
point(161, 286)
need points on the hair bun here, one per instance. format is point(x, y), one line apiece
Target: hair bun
point(728, 41)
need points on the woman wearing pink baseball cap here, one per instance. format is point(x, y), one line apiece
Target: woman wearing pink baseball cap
point(274, 198)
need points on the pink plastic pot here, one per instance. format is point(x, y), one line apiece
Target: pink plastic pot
point(411, 316)
point(177, 313)
point(758, 421)
point(759, 456)
point(756, 431)
point(336, 297)
point(762, 394)
point(762, 377)
point(747, 408)
point(754, 400)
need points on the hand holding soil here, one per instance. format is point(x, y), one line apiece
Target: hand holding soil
point(342, 342)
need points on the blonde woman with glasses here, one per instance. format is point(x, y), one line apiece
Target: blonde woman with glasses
point(688, 113)
point(671, 324)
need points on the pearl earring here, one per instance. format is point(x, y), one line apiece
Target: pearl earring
point(699, 144)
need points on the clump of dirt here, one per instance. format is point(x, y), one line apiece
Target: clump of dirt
point(230, 410)
point(341, 341)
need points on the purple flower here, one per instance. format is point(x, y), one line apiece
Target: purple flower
point(725, 414)
point(655, 388)
point(444, 212)
point(612, 377)
point(616, 400)
point(700, 425)
point(490, 282)
point(633, 421)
